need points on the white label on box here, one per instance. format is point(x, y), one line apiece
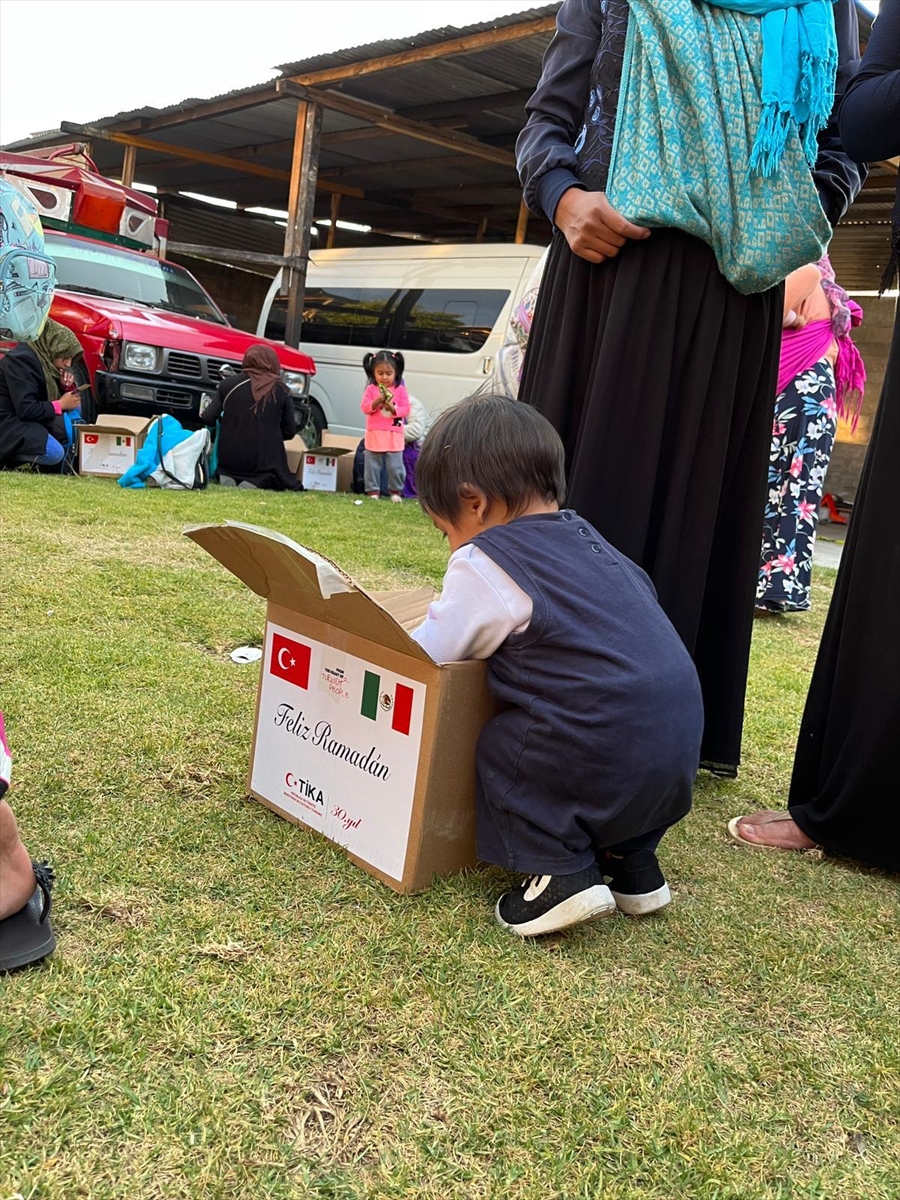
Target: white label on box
point(337, 746)
point(106, 453)
point(319, 473)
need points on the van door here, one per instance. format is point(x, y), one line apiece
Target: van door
point(449, 324)
point(447, 314)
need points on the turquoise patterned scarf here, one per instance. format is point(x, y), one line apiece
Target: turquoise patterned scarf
point(716, 126)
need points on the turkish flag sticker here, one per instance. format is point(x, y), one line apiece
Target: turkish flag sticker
point(290, 660)
point(91, 439)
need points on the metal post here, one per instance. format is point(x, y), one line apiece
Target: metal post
point(482, 230)
point(129, 160)
point(332, 228)
point(521, 224)
point(301, 205)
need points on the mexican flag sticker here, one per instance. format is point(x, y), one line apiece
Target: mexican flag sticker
point(398, 703)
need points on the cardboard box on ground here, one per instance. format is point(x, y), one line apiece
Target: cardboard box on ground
point(358, 734)
point(110, 445)
point(328, 467)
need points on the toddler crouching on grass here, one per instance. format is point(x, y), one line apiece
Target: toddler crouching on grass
point(593, 757)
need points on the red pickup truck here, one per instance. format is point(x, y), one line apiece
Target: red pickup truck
point(154, 341)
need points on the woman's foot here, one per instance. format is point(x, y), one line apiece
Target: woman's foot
point(770, 830)
point(26, 937)
point(16, 869)
point(374, 496)
point(396, 499)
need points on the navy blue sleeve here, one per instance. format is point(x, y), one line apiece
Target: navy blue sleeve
point(837, 176)
point(545, 149)
point(870, 112)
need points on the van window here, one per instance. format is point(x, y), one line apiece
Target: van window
point(448, 320)
point(338, 316)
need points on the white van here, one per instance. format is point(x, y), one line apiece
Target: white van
point(445, 307)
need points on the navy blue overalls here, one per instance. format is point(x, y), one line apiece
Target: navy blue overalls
point(601, 739)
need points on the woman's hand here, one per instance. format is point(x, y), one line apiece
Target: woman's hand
point(69, 401)
point(592, 227)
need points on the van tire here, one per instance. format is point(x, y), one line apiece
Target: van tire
point(315, 425)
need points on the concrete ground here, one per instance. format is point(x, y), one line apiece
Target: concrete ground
point(829, 544)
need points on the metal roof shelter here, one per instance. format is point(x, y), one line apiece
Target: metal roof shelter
point(412, 137)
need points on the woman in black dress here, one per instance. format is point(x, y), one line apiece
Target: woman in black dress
point(257, 413)
point(657, 373)
point(842, 793)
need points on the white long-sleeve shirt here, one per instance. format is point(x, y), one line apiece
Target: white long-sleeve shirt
point(418, 422)
point(479, 607)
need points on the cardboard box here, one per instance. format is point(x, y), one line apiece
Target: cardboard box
point(295, 449)
point(328, 469)
point(358, 734)
point(341, 441)
point(109, 446)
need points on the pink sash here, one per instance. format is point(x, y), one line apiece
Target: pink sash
point(803, 348)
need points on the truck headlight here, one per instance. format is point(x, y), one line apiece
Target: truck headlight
point(138, 357)
point(295, 382)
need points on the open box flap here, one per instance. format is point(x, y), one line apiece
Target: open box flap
point(290, 575)
point(116, 423)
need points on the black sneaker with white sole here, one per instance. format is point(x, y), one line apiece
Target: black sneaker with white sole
point(637, 884)
point(548, 903)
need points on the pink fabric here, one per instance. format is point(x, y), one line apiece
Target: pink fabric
point(57, 407)
point(382, 435)
point(803, 348)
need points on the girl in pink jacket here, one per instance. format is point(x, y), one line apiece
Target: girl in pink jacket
point(385, 403)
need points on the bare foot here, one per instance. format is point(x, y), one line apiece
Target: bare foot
point(17, 881)
point(775, 829)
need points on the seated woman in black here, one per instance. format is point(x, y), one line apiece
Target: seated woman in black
point(34, 393)
point(258, 417)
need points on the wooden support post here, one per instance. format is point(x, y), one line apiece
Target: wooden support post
point(482, 230)
point(129, 160)
point(301, 209)
point(521, 224)
point(332, 228)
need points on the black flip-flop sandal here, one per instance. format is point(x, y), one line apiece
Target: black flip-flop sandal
point(26, 936)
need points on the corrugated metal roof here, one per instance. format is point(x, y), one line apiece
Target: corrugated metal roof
point(339, 58)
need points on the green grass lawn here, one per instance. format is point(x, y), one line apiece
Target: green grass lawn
point(236, 1011)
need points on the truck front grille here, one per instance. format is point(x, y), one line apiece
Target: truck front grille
point(188, 366)
point(173, 398)
point(214, 368)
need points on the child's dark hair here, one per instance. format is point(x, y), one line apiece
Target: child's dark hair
point(494, 445)
point(395, 360)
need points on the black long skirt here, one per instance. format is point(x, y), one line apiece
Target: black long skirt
point(660, 379)
point(844, 789)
